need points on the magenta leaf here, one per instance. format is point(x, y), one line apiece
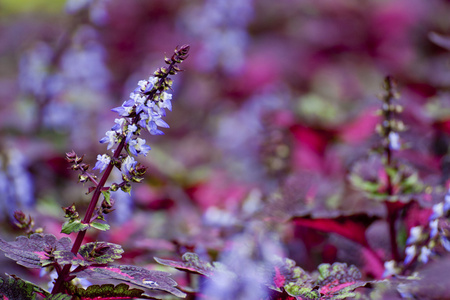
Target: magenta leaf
point(352, 227)
point(152, 280)
point(36, 251)
point(107, 291)
point(338, 281)
point(286, 272)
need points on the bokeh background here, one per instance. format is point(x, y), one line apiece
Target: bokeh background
point(276, 104)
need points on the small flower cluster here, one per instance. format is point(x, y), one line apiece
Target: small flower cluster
point(145, 108)
point(390, 127)
point(424, 241)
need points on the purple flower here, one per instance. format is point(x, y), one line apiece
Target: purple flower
point(410, 254)
point(165, 101)
point(119, 125)
point(128, 165)
point(110, 138)
point(138, 146)
point(151, 122)
point(102, 162)
point(131, 129)
point(125, 110)
point(424, 254)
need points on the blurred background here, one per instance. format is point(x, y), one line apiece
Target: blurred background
point(276, 104)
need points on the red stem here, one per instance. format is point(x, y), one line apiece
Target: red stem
point(391, 207)
point(63, 275)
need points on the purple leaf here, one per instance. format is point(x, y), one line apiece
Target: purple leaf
point(191, 263)
point(152, 280)
point(36, 251)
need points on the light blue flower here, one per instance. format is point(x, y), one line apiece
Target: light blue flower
point(110, 138)
point(410, 254)
point(438, 211)
point(128, 165)
point(102, 162)
point(125, 110)
point(138, 146)
point(434, 227)
point(414, 235)
point(119, 125)
point(165, 101)
point(390, 269)
point(424, 254)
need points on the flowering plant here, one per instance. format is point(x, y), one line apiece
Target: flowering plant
point(144, 110)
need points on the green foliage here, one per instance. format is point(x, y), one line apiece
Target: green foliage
point(90, 253)
point(370, 176)
point(100, 226)
point(13, 287)
point(107, 196)
point(101, 252)
point(107, 291)
point(72, 226)
point(337, 281)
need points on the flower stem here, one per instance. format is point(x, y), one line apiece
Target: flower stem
point(391, 207)
point(64, 274)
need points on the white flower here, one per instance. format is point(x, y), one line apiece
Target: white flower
point(138, 146)
point(394, 141)
point(410, 253)
point(165, 101)
point(414, 235)
point(434, 227)
point(424, 254)
point(128, 165)
point(390, 268)
point(111, 138)
point(119, 125)
point(153, 80)
point(102, 162)
point(438, 211)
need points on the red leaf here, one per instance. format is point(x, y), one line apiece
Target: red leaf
point(352, 227)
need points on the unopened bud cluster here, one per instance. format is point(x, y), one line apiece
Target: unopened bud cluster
point(25, 222)
point(78, 165)
point(390, 126)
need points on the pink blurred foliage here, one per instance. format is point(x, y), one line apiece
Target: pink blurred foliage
point(220, 191)
point(333, 52)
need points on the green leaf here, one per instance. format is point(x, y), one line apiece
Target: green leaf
point(101, 252)
point(90, 254)
point(100, 226)
point(107, 196)
point(14, 287)
point(107, 291)
point(72, 226)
